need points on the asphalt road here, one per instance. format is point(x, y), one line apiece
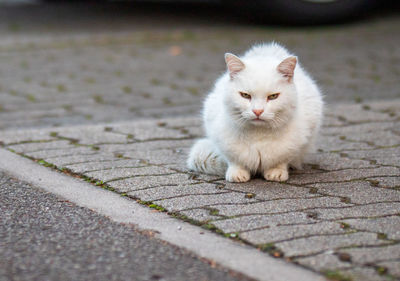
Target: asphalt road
point(43, 237)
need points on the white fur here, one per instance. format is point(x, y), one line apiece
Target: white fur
point(238, 146)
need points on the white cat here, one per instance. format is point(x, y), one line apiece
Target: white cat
point(262, 116)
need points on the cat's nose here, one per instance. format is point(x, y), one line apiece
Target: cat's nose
point(258, 112)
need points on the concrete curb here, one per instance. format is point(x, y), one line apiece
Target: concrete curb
point(206, 244)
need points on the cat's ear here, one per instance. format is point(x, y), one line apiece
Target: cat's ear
point(234, 64)
point(287, 66)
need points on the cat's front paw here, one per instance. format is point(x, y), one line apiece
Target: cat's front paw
point(276, 174)
point(237, 174)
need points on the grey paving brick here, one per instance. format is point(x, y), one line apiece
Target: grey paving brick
point(9, 137)
point(389, 226)
point(386, 156)
point(119, 173)
point(41, 146)
point(393, 267)
point(141, 131)
point(324, 261)
point(343, 175)
point(335, 161)
point(358, 192)
point(285, 232)
point(356, 113)
point(386, 182)
point(374, 254)
point(266, 190)
point(197, 201)
point(163, 192)
point(200, 215)
point(138, 183)
point(157, 157)
point(364, 274)
point(91, 135)
point(278, 206)
point(385, 106)
point(336, 143)
point(384, 138)
point(66, 160)
point(301, 247)
point(105, 165)
point(356, 129)
point(365, 211)
point(249, 222)
point(55, 153)
point(153, 145)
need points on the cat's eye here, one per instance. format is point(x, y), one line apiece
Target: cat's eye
point(273, 96)
point(245, 95)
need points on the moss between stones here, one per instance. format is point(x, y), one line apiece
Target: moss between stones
point(271, 249)
point(336, 275)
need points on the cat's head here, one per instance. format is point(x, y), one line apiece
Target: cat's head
point(261, 92)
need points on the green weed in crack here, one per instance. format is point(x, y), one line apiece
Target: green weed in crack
point(336, 275)
point(271, 249)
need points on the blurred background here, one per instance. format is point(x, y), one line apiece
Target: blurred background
point(82, 62)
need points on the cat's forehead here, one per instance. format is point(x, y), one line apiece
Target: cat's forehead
point(259, 76)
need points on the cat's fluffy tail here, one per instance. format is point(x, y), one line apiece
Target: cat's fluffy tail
point(204, 158)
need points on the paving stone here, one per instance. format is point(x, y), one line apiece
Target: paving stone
point(356, 113)
point(334, 161)
point(200, 215)
point(365, 211)
point(141, 131)
point(266, 190)
point(301, 246)
point(249, 222)
point(390, 226)
point(286, 232)
point(358, 192)
point(385, 106)
point(332, 120)
point(91, 135)
point(197, 201)
point(105, 165)
point(138, 183)
point(323, 261)
point(74, 150)
point(386, 182)
point(204, 177)
point(374, 254)
point(66, 160)
point(158, 157)
point(336, 143)
point(364, 274)
point(343, 175)
point(386, 156)
point(153, 145)
point(392, 266)
point(164, 192)
point(40, 146)
point(358, 129)
point(384, 138)
point(9, 137)
point(119, 173)
point(279, 206)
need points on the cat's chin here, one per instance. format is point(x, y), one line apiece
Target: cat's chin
point(258, 122)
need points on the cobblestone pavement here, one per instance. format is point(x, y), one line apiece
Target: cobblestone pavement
point(103, 107)
point(339, 216)
point(51, 75)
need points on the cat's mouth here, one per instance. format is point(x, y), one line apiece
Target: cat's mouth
point(257, 120)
